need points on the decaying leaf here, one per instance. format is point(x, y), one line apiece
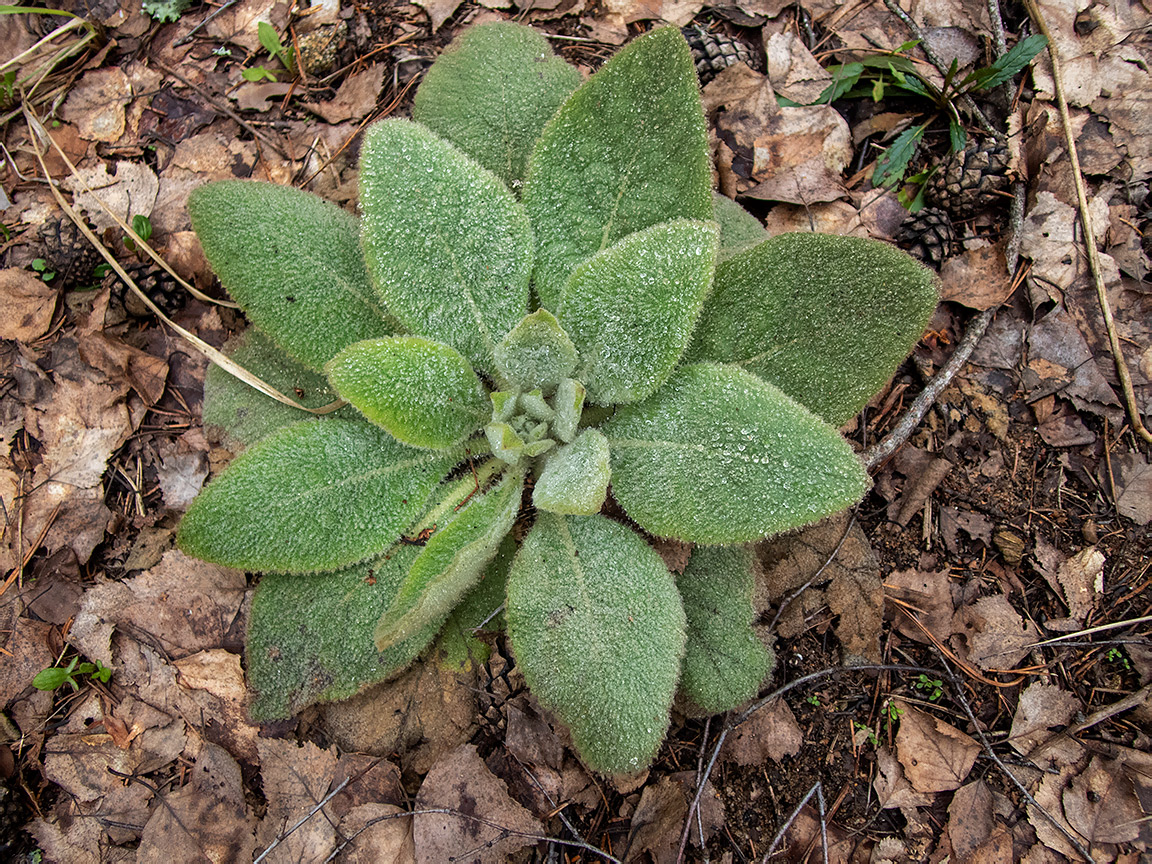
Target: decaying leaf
point(1043, 708)
point(892, 787)
point(770, 733)
point(296, 779)
point(28, 302)
point(998, 638)
point(936, 756)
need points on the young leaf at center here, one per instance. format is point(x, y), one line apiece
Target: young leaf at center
point(421, 391)
point(597, 627)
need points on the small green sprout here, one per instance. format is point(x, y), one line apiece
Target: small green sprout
point(864, 727)
point(891, 713)
point(41, 267)
point(813, 700)
point(1115, 655)
point(55, 677)
point(142, 226)
point(257, 74)
point(932, 687)
point(270, 41)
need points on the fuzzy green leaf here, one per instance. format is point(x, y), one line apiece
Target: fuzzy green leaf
point(423, 392)
point(597, 628)
point(453, 559)
point(317, 495)
point(825, 318)
point(739, 229)
point(628, 150)
point(310, 637)
point(243, 415)
point(720, 456)
point(536, 354)
point(569, 402)
point(448, 247)
point(293, 262)
point(491, 92)
point(724, 661)
point(575, 480)
point(631, 308)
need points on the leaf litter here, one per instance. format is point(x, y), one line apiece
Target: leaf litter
point(1027, 536)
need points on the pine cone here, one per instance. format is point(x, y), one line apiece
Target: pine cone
point(715, 52)
point(972, 180)
point(160, 287)
point(67, 252)
point(928, 235)
point(501, 681)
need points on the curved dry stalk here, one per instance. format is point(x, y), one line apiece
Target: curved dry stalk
point(1134, 416)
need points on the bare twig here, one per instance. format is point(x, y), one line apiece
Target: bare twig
point(282, 837)
point(1115, 625)
point(1134, 416)
point(818, 791)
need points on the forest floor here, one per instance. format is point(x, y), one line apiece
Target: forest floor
point(964, 659)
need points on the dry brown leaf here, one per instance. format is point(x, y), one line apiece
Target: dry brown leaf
point(239, 22)
point(462, 783)
point(892, 787)
point(936, 756)
point(677, 12)
point(181, 469)
point(970, 820)
point(929, 596)
point(65, 841)
point(29, 304)
point(857, 597)
point(1041, 708)
point(770, 733)
point(977, 278)
point(183, 604)
point(998, 638)
point(438, 11)
point(95, 104)
point(1081, 579)
point(792, 69)
point(378, 834)
point(1049, 796)
point(130, 190)
point(660, 815)
point(1101, 804)
point(146, 374)
point(26, 651)
point(800, 156)
point(223, 696)
point(206, 820)
point(355, 98)
point(296, 779)
point(1133, 478)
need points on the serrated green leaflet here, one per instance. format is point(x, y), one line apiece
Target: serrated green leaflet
point(423, 392)
point(317, 495)
point(310, 637)
point(597, 628)
point(244, 415)
point(630, 309)
point(825, 318)
point(724, 661)
point(536, 354)
point(628, 150)
point(491, 92)
point(453, 559)
point(720, 456)
point(293, 262)
point(739, 229)
point(448, 247)
point(575, 480)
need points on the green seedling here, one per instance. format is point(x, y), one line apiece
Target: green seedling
point(41, 267)
point(813, 700)
point(165, 11)
point(933, 688)
point(142, 227)
point(57, 676)
point(891, 713)
point(542, 293)
point(1115, 655)
point(895, 72)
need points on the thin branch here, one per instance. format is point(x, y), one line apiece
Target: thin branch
point(282, 837)
point(818, 791)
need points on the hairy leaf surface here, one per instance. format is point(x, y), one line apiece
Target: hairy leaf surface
point(293, 262)
point(317, 495)
point(628, 150)
point(630, 309)
point(724, 661)
point(242, 414)
point(739, 229)
point(597, 627)
point(423, 392)
point(448, 247)
point(491, 92)
point(575, 480)
point(536, 354)
point(453, 559)
point(825, 318)
point(721, 456)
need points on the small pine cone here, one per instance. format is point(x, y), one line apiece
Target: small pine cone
point(928, 235)
point(67, 252)
point(972, 180)
point(500, 681)
point(160, 287)
point(715, 52)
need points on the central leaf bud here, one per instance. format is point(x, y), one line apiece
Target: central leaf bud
point(526, 425)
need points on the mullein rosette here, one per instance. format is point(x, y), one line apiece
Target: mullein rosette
point(542, 293)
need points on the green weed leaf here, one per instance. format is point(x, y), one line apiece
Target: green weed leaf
point(893, 162)
point(597, 628)
point(244, 415)
point(491, 92)
point(293, 262)
point(724, 660)
point(455, 555)
point(423, 392)
point(575, 480)
point(825, 318)
point(630, 309)
point(628, 150)
point(1004, 69)
point(317, 495)
point(536, 354)
point(720, 456)
point(739, 229)
point(448, 247)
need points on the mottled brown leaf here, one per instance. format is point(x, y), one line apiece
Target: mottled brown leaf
point(936, 756)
